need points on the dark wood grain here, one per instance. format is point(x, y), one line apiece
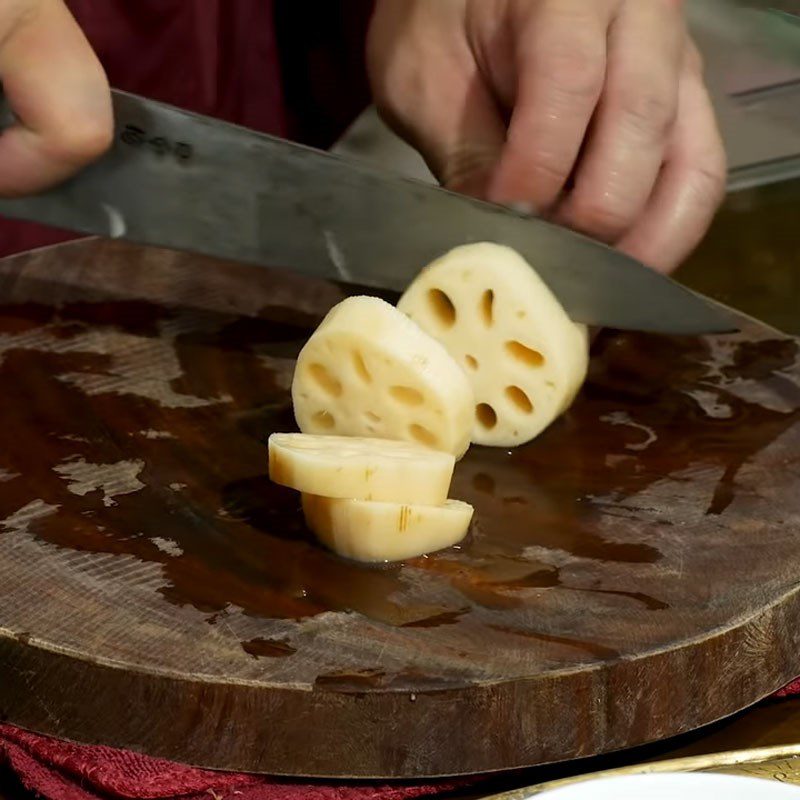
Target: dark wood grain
point(631, 575)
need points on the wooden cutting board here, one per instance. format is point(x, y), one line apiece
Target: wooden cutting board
point(631, 575)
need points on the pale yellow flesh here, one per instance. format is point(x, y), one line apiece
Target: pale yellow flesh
point(361, 469)
point(370, 371)
point(524, 357)
point(381, 532)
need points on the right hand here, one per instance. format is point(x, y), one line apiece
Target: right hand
point(58, 91)
point(592, 112)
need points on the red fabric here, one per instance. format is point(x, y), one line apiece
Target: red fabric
point(58, 770)
point(790, 690)
point(214, 57)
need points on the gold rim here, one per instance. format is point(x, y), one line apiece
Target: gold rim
point(771, 763)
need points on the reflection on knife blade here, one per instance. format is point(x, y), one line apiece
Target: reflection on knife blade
point(183, 181)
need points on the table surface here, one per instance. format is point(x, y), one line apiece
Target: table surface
point(751, 261)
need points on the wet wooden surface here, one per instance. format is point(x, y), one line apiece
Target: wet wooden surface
point(631, 575)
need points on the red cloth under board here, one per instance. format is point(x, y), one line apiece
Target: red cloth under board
point(56, 770)
point(790, 690)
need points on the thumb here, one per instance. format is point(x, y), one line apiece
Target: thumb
point(58, 92)
point(464, 148)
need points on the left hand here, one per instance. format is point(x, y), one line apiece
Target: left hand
point(591, 112)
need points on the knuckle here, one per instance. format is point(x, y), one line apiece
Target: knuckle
point(538, 174)
point(546, 170)
point(19, 13)
point(649, 110)
point(577, 70)
point(467, 169)
point(81, 143)
point(709, 181)
point(605, 220)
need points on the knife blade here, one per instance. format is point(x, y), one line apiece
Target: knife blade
point(183, 181)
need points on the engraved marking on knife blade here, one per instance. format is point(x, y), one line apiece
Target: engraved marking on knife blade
point(135, 136)
point(337, 256)
point(116, 222)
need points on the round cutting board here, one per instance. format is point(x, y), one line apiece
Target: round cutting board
point(631, 574)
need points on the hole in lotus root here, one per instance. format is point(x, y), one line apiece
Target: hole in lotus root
point(325, 380)
point(407, 396)
point(519, 399)
point(324, 420)
point(487, 308)
point(525, 355)
point(423, 435)
point(486, 416)
point(361, 367)
point(442, 307)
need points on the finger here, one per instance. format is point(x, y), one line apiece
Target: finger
point(691, 185)
point(634, 120)
point(462, 147)
point(561, 60)
point(432, 94)
point(58, 92)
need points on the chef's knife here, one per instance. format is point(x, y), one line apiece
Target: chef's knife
point(183, 181)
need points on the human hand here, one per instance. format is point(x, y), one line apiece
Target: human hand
point(593, 113)
point(59, 94)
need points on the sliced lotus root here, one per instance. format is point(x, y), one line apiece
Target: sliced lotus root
point(370, 371)
point(526, 360)
point(360, 469)
point(370, 531)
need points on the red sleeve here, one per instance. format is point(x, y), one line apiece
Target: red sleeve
point(215, 57)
